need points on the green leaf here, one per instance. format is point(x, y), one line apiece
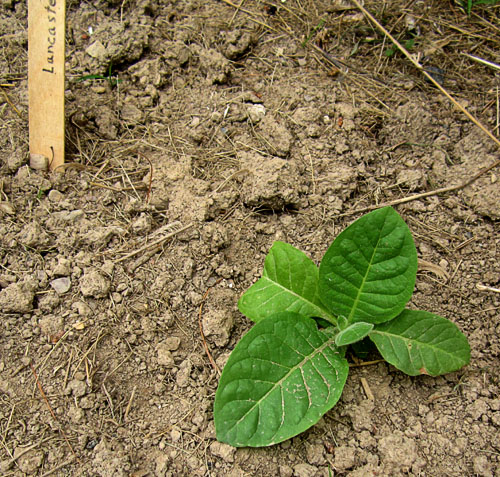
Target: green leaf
point(280, 379)
point(289, 283)
point(419, 342)
point(353, 333)
point(368, 273)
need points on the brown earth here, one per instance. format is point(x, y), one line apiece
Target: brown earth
point(225, 129)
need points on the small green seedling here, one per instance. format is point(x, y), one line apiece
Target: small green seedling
point(113, 80)
point(408, 44)
point(289, 370)
point(468, 5)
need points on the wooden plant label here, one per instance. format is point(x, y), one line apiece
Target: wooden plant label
point(46, 39)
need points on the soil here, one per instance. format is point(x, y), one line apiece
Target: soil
point(219, 131)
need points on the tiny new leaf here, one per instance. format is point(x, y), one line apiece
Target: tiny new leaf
point(419, 342)
point(353, 333)
point(282, 376)
point(368, 273)
point(289, 283)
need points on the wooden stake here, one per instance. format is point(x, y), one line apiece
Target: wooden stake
point(46, 39)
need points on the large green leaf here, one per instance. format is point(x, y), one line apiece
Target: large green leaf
point(280, 379)
point(368, 273)
point(419, 342)
point(289, 283)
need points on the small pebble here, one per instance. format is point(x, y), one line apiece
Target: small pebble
point(55, 196)
point(61, 285)
point(39, 162)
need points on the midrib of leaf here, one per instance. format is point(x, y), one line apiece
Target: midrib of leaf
point(358, 296)
point(294, 368)
point(407, 340)
point(322, 313)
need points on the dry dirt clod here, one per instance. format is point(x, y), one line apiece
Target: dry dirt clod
point(55, 196)
point(269, 183)
point(256, 112)
point(224, 451)
point(315, 455)
point(218, 325)
point(345, 458)
point(34, 235)
point(97, 50)
point(172, 343)
point(276, 134)
point(398, 451)
point(63, 267)
point(30, 462)
point(77, 388)
point(51, 325)
point(7, 208)
point(17, 298)
point(164, 356)
point(215, 66)
point(94, 284)
point(482, 467)
point(285, 471)
point(82, 308)
point(305, 470)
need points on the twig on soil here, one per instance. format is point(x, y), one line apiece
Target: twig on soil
point(366, 363)
point(481, 287)
point(205, 345)
point(18, 370)
point(150, 184)
point(131, 183)
point(456, 270)
point(143, 259)
point(456, 103)
point(483, 61)
point(117, 367)
point(42, 392)
point(68, 368)
point(6, 465)
point(251, 15)
point(129, 405)
point(236, 12)
point(7, 425)
point(432, 267)
point(367, 389)
point(10, 103)
point(93, 346)
point(40, 366)
point(232, 176)
point(427, 75)
point(118, 189)
point(442, 190)
point(71, 165)
point(57, 467)
point(110, 401)
point(152, 244)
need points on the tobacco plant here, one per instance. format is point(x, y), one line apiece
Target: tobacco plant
point(290, 368)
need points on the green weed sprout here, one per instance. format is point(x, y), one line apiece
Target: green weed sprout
point(290, 368)
point(468, 5)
